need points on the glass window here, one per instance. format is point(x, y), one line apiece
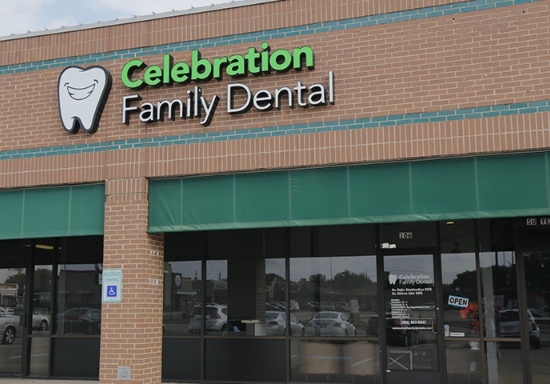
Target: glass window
point(333, 278)
point(12, 302)
point(459, 278)
point(464, 364)
point(183, 283)
point(534, 239)
point(460, 302)
point(243, 281)
point(500, 302)
point(79, 286)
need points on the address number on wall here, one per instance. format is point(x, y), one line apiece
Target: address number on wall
point(405, 235)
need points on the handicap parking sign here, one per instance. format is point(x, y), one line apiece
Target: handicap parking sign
point(112, 285)
point(112, 291)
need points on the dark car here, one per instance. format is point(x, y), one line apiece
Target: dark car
point(79, 320)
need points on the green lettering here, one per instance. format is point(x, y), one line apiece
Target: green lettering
point(253, 61)
point(280, 60)
point(128, 71)
point(304, 55)
point(236, 66)
point(180, 73)
point(167, 63)
point(252, 57)
point(265, 56)
point(152, 75)
point(201, 69)
point(219, 62)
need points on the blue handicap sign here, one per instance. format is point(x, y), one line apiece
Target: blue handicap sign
point(112, 291)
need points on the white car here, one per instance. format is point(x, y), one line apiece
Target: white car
point(330, 323)
point(510, 326)
point(40, 321)
point(215, 318)
point(8, 325)
point(275, 324)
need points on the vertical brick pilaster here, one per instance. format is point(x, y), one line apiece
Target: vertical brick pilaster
point(132, 330)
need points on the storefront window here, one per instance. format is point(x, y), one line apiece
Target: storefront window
point(79, 287)
point(534, 240)
point(500, 309)
point(183, 284)
point(460, 302)
point(333, 280)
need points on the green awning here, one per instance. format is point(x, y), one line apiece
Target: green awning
point(443, 189)
point(50, 212)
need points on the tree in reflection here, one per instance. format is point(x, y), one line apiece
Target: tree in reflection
point(275, 287)
point(350, 283)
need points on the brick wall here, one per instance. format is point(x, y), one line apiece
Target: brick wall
point(131, 331)
point(414, 79)
point(442, 83)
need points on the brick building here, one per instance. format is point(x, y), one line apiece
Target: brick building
point(280, 191)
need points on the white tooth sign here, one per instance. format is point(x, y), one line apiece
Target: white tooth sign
point(82, 94)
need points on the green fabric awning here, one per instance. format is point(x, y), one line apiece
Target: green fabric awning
point(444, 189)
point(50, 212)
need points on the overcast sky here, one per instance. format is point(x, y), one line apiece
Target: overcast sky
point(21, 16)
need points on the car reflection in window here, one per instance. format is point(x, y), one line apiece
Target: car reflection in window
point(330, 323)
point(79, 320)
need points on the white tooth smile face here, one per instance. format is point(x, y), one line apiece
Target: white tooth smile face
point(82, 94)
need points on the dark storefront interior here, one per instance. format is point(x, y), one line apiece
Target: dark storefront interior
point(425, 301)
point(367, 303)
point(56, 283)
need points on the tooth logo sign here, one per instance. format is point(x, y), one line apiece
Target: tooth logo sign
point(392, 278)
point(82, 94)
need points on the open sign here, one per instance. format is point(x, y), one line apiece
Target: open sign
point(456, 301)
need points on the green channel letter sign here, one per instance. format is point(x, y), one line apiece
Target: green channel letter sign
point(200, 69)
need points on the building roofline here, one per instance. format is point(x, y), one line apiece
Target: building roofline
point(135, 19)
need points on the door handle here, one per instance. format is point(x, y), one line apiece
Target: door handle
point(434, 326)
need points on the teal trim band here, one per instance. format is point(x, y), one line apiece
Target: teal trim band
point(253, 133)
point(338, 25)
point(444, 189)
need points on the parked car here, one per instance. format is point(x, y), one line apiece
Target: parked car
point(294, 306)
point(510, 326)
point(396, 334)
point(40, 321)
point(326, 306)
point(8, 325)
point(540, 312)
point(313, 306)
point(341, 306)
point(277, 305)
point(79, 320)
point(330, 323)
point(275, 324)
point(215, 318)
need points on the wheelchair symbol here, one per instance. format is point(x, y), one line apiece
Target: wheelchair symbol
point(112, 291)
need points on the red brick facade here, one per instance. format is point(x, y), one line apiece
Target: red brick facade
point(451, 62)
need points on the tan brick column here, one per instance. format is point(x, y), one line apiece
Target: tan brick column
point(131, 331)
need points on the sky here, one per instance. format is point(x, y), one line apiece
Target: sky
point(22, 16)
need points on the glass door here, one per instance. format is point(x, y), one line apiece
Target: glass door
point(412, 338)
